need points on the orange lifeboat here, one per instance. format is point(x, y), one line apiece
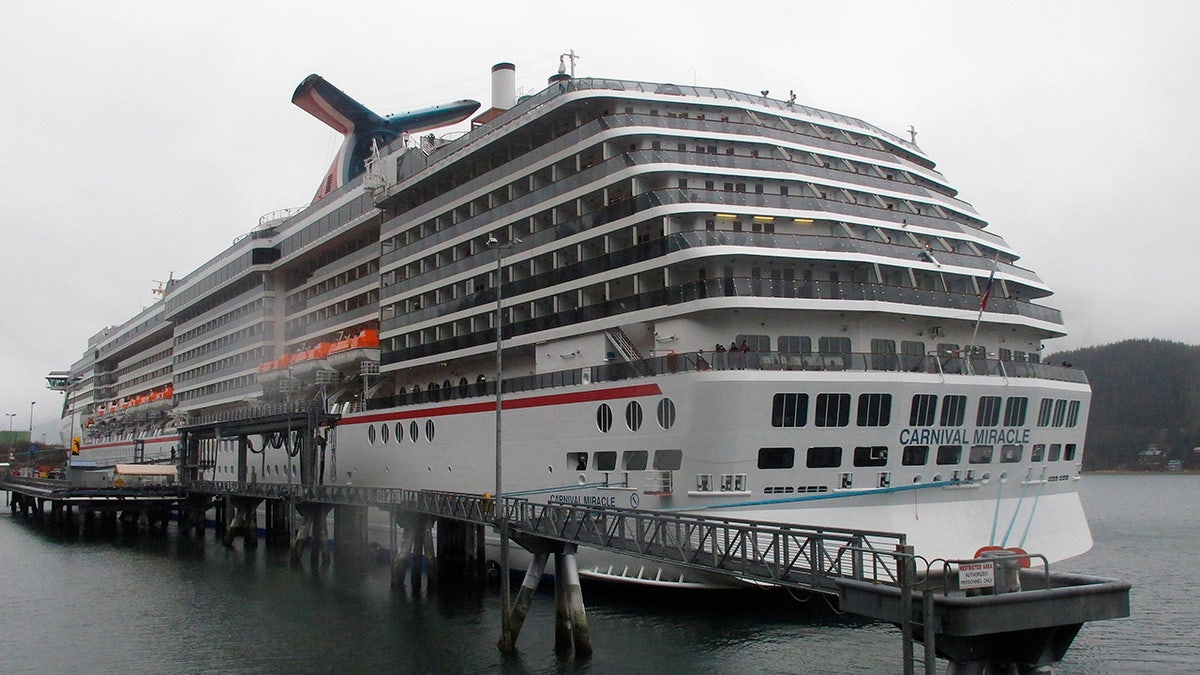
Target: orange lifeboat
point(346, 354)
point(311, 360)
point(271, 371)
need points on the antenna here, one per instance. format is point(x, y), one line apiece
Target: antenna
point(562, 68)
point(912, 134)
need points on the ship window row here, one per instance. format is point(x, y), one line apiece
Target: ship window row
point(833, 410)
point(299, 300)
point(248, 383)
point(112, 377)
point(833, 457)
point(259, 306)
point(382, 433)
point(362, 241)
point(200, 298)
point(233, 339)
point(1058, 413)
point(586, 206)
point(339, 217)
point(312, 321)
point(253, 356)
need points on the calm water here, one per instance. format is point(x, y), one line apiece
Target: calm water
point(154, 604)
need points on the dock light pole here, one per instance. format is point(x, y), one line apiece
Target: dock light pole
point(10, 419)
point(506, 642)
point(30, 448)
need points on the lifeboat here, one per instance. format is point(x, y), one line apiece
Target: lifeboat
point(311, 360)
point(274, 371)
point(161, 399)
point(346, 354)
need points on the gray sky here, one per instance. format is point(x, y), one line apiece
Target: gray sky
point(141, 138)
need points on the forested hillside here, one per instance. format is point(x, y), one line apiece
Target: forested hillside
point(1143, 392)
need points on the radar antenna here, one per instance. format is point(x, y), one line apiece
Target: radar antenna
point(562, 66)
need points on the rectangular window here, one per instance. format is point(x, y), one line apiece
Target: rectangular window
point(870, 455)
point(776, 458)
point(606, 461)
point(1010, 454)
point(576, 461)
point(833, 410)
point(949, 454)
point(833, 345)
point(1069, 452)
point(923, 411)
point(634, 460)
point(1073, 414)
point(981, 454)
point(874, 410)
point(668, 460)
point(1060, 412)
point(1055, 452)
point(988, 414)
point(1014, 411)
point(915, 455)
point(883, 354)
point(795, 344)
point(913, 358)
point(1039, 453)
point(789, 410)
point(823, 457)
point(1044, 410)
point(954, 410)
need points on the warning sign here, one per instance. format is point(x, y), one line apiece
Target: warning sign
point(976, 575)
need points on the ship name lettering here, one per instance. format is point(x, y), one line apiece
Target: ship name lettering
point(585, 500)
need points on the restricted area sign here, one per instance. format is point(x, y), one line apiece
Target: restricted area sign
point(976, 575)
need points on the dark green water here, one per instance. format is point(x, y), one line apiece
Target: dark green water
point(154, 604)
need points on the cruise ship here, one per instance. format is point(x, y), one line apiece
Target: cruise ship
point(694, 299)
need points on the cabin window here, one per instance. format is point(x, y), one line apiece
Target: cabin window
point(577, 461)
point(634, 460)
point(915, 455)
point(776, 458)
point(1039, 452)
point(606, 461)
point(823, 457)
point(923, 411)
point(668, 460)
point(1069, 453)
point(988, 414)
point(789, 410)
point(874, 410)
point(633, 415)
point(795, 344)
point(833, 410)
point(954, 410)
point(981, 454)
point(1073, 414)
point(870, 455)
point(1044, 411)
point(949, 454)
point(1060, 412)
point(1055, 452)
point(666, 413)
point(1014, 411)
point(604, 418)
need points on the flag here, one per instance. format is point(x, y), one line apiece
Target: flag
point(987, 291)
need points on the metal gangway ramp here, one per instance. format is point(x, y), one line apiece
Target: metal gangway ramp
point(1029, 624)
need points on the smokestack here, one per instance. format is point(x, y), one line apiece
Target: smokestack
point(504, 86)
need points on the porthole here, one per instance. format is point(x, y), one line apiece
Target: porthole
point(633, 415)
point(429, 430)
point(937, 477)
point(666, 413)
point(604, 418)
point(916, 479)
point(371, 434)
point(412, 430)
point(384, 434)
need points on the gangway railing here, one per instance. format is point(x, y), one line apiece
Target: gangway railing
point(795, 556)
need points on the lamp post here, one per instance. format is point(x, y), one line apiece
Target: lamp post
point(30, 448)
point(506, 643)
point(10, 419)
point(11, 444)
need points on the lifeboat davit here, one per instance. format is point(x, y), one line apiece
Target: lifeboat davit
point(348, 353)
point(274, 371)
point(161, 399)
point(311, 360)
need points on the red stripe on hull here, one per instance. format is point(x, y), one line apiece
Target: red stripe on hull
point(515, 404)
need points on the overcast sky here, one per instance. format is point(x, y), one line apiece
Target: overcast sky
point(140, 138)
